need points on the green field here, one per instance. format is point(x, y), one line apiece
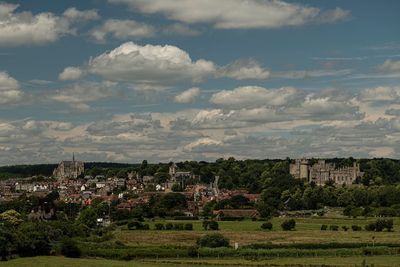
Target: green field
point(327, 261)
point(249, 232)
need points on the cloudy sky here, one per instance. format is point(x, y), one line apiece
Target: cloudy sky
point(127, 80)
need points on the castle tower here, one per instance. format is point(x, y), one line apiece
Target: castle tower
point(304, 174)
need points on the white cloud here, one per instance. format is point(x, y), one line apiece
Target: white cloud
point(10, 92)
point(74, 14)
point(150, 64)
point(380, 93)
point(180, 29)
point(122, 29)
point(305, 74)
point(70, 73)
point(253, 96)
point(187, 96)
point(204, 145)
point(237, 14)
point(25, 28)
point(244, 69)
point(389, 66)
point(79, 95)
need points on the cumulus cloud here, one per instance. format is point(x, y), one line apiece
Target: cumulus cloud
point(253, 96)
point(122, 29)
point(10, 92)
point(389, 66)
point(25, 28)
point(70, 73)
point(244, 69)
point(380, 93)
point(150, 64)
point(204, 145)
point(187, 96)
point(237, 14)
point(80, 94)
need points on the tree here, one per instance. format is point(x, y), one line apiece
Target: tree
point(88, 217)
point(288, 225)
point(70, 249)
point(213, 241)
point(11, 217)
point(176, 188)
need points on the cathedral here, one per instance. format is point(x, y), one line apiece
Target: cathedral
point(69, 169)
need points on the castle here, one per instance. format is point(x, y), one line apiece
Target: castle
point(69, 169)
point(322, 172)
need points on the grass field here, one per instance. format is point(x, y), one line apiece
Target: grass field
point(382, 261)
point(249, 232)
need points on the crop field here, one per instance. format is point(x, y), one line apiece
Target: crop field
point(382, 261)
point(249, 232)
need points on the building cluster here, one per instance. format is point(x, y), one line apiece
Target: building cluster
point(75, 187)
point(322, 172)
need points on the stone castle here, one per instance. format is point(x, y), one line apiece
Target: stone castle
point(322, 172)
point(69, 169)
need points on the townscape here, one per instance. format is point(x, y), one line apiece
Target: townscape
point(166, 133)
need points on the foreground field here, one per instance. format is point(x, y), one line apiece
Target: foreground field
point(384, 261)
point(249, 232)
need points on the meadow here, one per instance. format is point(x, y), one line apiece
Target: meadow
point(308, 230)
point(49, 261)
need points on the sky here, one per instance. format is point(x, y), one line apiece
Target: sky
point(172, 80)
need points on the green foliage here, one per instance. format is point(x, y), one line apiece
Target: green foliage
point(11, 217)
point(70, 249)
point(324, 227)
point(88, 217)
point(266, 226)
point(213, 241)
point(334, 228)
point(288, 225)
point(210, 225)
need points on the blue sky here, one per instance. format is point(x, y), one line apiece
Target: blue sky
point(127, 80)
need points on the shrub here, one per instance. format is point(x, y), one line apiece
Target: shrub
point(134, 225)
point(334, 228)
point(70, 249)
point(213, 241)
point(169, 226)
point(345, 228)
point(210, 225)
point(356, 228)
point(178, 226)
point(288, 225)
point(189, 226)
point(145, 227)
point(370, 227)
point(193, 252)
point(324, 227)
point(266, 226)
point(159, 226)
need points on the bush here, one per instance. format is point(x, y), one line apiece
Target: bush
point(70, 249)
point(134, 225)
point(356, 228)
point(213, 241)
point(380, 225)
point(159, 226)
point(185, 218)
point(345, 228)
point(266, 226)
point(145, 227)
point(178, 226)
point(334, 228)
point(370, 227)
point(210, 225)
point(324, 227)
point(288, 225)
point(169, 226)
point(188, 226)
